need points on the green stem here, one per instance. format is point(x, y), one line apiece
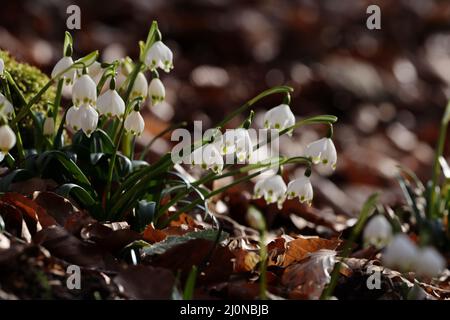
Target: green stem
point(57, 103)
point(436, 167)
point(262, 265)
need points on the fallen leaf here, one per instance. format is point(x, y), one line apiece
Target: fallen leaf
point(244, 261)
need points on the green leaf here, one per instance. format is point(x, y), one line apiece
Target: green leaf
point(188, 292)
point(71, 189)
point(173, 241)
point(101, 142)
point(144, 213)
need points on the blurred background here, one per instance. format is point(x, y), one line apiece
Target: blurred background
point(388, 87)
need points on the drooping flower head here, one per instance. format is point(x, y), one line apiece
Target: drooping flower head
point(111, 104)
point(300, 188)
point(400, 253)
point(84, 91)
point(279, 118)
point(134, 123)
point(159, 56)
point(236, 141)
point(140, 87)
point(378, 231)
point(208, 157)
point(322, 151)
point(156, 91)
point(63, 64)
point(272, 189)
point(429, 262)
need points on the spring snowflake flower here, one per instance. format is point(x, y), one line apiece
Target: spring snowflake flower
point(61, 65)
point(140, 87)
point(49, 126)
point(429, 262)
point(208, 157)
point(111, 104)
point(95, 71)
point(2, 66)
point(159, 56)
point(156, 91)
point(134, 123)
point(400, 253)
point(84, 91)
point(273, 189)
point(279, 118)
point(300, 188)
point(378, 231)
point(6, 108)
point(322, 150)
point(236, 141)
point(88, 119)
point(7, 140)
point(72, 118)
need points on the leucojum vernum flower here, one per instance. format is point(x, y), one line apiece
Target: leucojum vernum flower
point(87, 144)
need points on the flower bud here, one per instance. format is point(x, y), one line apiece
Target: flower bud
point(400, 253)
point(140, 87)
point(429, 262)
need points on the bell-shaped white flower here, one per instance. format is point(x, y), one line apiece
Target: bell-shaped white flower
point(273, 189)
point(95, 71)
point(88, 119)
point(63, 64)
point(73, 118)
point(236, 141)
point(400, 253)
point(140, 87)
point(322, 151)
point(429, 262)
point(300, 188)
point(2, 66)
point(111, 104)
point(156, 91)
point(279, 118)
point(7, 139)
point(378, 231)
point(6, 108)
point(208, 157)
point(134, 123)
point(49, 126)
point(159, 56)
point(84, 91)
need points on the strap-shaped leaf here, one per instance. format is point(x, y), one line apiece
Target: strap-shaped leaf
point(71, 189)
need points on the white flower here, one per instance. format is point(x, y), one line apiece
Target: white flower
point(111, 104)
point(2, 66)
point(208, 157)
point(95, 71)
point(378, 231)
point(88, 119)
point(279, 118)
point(49, 126)
point(273, 189)
point(6, 108)
point(84, 91)
point(400, 253)
point(300, 188)
point(73, 118)
point(236, 141)
point(323, 151)
point(159, 56)
point(140, 87)
point(134, 123)
point(7, 139)
point(429, 262)
point(156, 91)
point(61, 65)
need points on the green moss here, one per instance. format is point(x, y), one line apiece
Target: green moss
point(29, 79)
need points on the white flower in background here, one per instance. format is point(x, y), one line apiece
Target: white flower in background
point(140, 87)
point(400, 253)
point(429, 262)
point(6, 108)
point(378, 231)
point(88, 119)
point(111, 104)
point(7, 140)
point(49, 126)
point(300, 188)
point(95, 71)
point(159, 56)
point(134, 123)
point(273, 189)
point(208, 157)
point(2, 66)
point(236, 141)
point(322, 151)
point(73, 118)
point(61, 65)
point(84, 91)
point(156, 91)
point(279, 118)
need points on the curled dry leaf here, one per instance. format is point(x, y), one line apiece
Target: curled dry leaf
point(244, 261)
point(308, 278)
